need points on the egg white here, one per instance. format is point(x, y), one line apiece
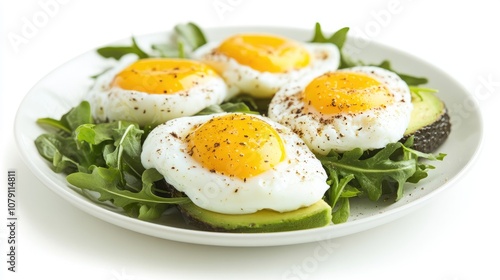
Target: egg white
point(371, 129)
point(113, 103)
point(298, 181)
point(244, 79)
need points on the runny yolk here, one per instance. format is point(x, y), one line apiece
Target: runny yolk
point(162, 76)
point(346, 92)
point(236, 145)
point(265, 53)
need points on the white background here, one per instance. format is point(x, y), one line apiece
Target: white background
point(454, 237)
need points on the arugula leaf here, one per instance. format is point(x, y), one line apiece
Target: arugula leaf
point(188, 38)
point(94, 134)
point(104, 158)
point(170, 50)
point(106, 181)
point(228, 107)
point(120, 143)
point(339, 191)
point(355, 173)
point(410, 80)
point(118, 52)
point(71, 120)
point(150, 176)
point(338, 38)
point(341, 215)
point(52, 147)
point(61, 148)
point(372, 172)
point(260, 105)
point(190, 34)
point(386, 167)
point(53, 123)
point(421, 167)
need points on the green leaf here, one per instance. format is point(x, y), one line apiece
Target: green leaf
point(170, 50)
point(338, 39)
point(421, 167)
point(118, 52)
point(150, 176)
point(338, 194)
point(126, 139)
point(106, 182)
point(93, 134)
point(260, 105)
point(371, 173)
point(228, 107)
point(104, 158)
point(53, 123)
point(71, 120)
point(180, 50)
point(77, 116)
point(374, 172)
point(336, 186)
point(318, 36)
point(191, 34)
point(342, 213)
point(166, 50)
point(410, 80)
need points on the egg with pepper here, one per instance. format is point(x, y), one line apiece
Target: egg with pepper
point(153, 90)
point(363, 107)
point(259, 64)
point(234, 163)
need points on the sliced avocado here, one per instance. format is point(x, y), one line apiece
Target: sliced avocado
point(429, 122)
point(316, 215)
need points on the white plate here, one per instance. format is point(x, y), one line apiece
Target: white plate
point(64, 88)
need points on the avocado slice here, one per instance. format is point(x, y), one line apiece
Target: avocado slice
point(316, 215)
point(429, 122)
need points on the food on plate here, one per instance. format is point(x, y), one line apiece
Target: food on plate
point(429, 124)
point(154, 90)
point(239, 164)
point(363, 107)
point(235, 163)
point(260, 64)
point(257, 133)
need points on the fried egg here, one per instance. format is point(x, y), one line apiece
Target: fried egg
point(235, 163)
point(260, 64)
point(154, 90)
point(363, 107)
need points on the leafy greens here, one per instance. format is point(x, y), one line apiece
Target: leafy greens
point(104, 158)
point(355, 173)
point(188, 37)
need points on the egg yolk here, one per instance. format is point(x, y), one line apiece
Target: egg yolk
point(346, 92)
point(265, 53)
point(236, 145)
point(162, 76)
